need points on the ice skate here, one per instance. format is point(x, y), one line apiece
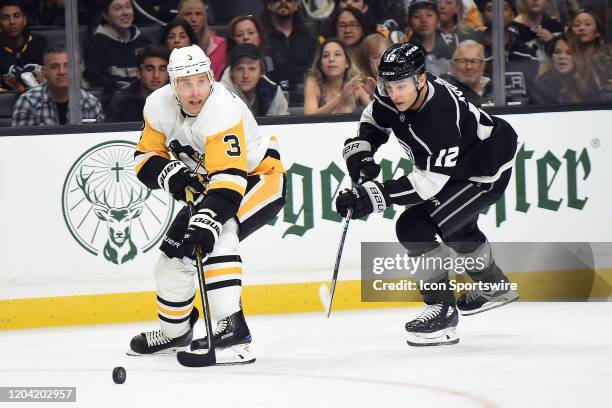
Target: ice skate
point(232, 340)
point(435, 326)
point(476, 301)
point(156, 342)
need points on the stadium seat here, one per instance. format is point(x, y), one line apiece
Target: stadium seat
point(222, 11)
point(151, 31)
point(7, 100)
point(55, 35)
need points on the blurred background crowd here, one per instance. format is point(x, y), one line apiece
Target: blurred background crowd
point(299, 57)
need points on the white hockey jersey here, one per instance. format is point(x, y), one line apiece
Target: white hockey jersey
point(224, 133)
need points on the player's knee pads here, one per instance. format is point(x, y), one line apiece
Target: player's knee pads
point(223, 270)
point(416, 232)
point(431, 265)
point(475, 262)
point(175, 294)
point(467, 239)
point(174, 278)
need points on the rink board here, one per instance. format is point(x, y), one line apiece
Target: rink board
point(54, 268)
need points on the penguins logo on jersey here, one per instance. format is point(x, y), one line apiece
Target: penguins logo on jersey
point(106, 208)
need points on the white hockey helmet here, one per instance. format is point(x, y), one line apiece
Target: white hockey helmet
point(186, 61)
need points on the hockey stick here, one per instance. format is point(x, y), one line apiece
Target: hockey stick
point(186, 358)
point(208, 358)
point(326, 295)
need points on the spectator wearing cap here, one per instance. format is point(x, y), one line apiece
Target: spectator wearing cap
point(111, 54)
point(177, 33)
point(249, 29)
point(21, 53)
point(47, 104)
point(289, 43)
point(520, 58)
point(248, 81)
point(535, 27)
point(196, 14)
point(424, 16)
point(127, 105)
point(467, 72)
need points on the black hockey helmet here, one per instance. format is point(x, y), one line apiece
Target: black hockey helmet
point(400, 61)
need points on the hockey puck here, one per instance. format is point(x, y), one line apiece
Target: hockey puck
point(119, 375)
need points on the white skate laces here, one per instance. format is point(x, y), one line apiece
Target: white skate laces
point(430, 312)
point(221, 326)
point(157, 338)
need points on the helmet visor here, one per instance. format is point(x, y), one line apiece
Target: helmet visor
point(385, 87)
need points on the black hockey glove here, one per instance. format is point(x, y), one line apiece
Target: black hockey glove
point(202, 230)
point(176, 177)
point(359, 160)
point(364, 199)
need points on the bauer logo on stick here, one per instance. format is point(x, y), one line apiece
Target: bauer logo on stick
point(107, 210)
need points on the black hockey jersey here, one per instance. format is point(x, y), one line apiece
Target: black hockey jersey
point(448, 138)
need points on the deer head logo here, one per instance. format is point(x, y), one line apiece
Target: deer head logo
point(108, 211)
point(119, 248)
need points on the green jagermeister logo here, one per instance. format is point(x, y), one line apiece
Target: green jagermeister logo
point(531, 168)
point(107, 209)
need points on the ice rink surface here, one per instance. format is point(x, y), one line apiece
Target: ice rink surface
point(521, 355)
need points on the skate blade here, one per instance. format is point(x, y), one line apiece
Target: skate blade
point(172, 350)
point(494, 303)
point(240, 354)
point(440, 338)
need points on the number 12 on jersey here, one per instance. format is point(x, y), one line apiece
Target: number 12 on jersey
point(449, 157)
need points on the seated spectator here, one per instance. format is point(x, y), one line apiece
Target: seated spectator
point(333, 85)
point(375, 16)
point(589, 30)
point(155, 11)
point(21, 53)
point(452, 25)
point(247, 80)
point(535, 27)
point(249, 29)
point(466, 73)
point(520, 58)
point(289, 43)
point(111, 54)
point(568, 78)
point(349, 25)
point(423, 16)
point(371, 49)
point(176, 34)
point(47, 104)
point(127, 105)
point(196, 14)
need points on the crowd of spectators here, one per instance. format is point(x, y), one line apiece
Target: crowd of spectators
point(298, 56)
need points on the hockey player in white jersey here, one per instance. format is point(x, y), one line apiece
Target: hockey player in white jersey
point(462, 160)
point(196, 123)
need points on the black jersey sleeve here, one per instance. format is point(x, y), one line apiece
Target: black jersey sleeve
point(372, 126)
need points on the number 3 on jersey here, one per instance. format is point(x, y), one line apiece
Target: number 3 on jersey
point(232, 140)
point(450, 158)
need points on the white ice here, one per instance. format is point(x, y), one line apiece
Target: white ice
point(521, 355)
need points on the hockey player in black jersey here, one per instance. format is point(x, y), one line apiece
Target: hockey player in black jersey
point(462, 160)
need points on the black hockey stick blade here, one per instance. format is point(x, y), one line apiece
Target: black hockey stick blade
point(195, 359)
